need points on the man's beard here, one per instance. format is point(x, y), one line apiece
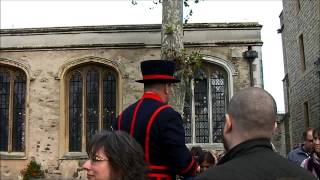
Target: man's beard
point(225, 144)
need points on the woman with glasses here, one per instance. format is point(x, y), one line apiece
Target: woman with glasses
point(114, 155)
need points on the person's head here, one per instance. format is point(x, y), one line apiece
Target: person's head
point(197, 153)
point(209, 160)
point(158, 76)
point(307, 139)
point(251, 114)
point(114, 155)
point(316, 141)
point(164, 89)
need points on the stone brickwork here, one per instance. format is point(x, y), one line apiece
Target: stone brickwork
point(46, 54)
point(301, 86)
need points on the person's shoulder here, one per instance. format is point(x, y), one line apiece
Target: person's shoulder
point(170, 112)
point(217, 172)
point(131, 106)
point(292, 168)
point(276, 167)
point(294, 151)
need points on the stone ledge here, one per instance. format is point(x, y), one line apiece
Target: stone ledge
point(12, 155)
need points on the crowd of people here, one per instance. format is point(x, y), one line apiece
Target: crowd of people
point(307, 155)
point(148, 140)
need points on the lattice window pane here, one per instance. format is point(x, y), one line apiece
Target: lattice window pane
point(201, 111)
point(109, 100)
point(218, 91)
point(187, 116)
point(18, 125)
point(4, 109)
point(75, 109)
point(92, 99)
point(92, 90)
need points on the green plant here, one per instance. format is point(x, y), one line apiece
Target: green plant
point(33, 170)
point(188, 66)
point(189, 63)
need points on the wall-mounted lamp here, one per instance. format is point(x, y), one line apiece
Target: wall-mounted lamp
point(250, 55)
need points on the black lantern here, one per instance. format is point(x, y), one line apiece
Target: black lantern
point(250, 55)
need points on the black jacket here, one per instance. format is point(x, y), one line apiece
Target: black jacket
point(255, 160)
point(161, 137)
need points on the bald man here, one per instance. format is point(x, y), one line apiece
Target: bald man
point(249, 124)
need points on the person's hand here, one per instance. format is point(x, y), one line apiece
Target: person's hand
point(198, 169)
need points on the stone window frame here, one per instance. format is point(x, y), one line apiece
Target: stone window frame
point(113, 65)
point(302, 53)
point(23, 66)
point(231, 72)
point(297, 6)
point(306, 114)
point(83, 70)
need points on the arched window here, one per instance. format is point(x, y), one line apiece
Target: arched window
point(12, 109)
point(205, 105)
point(92, 103)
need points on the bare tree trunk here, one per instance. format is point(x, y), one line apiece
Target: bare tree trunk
point(172, 28)
point(172, 44)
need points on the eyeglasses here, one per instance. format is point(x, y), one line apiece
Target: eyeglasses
point(96, 159)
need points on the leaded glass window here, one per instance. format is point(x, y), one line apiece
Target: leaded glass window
point(201, 111)
point(218, 95)
point(12, 109)
point(92, 105)
point(205, 106)
point(187, 116)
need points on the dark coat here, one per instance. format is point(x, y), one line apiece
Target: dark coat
point(255, 160)
point(161, 137)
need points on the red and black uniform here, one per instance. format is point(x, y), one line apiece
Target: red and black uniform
point(159, 129)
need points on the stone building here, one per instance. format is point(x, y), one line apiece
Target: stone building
point(300, 30)
point(58, 86)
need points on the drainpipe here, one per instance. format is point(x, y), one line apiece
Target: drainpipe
point(250, 55)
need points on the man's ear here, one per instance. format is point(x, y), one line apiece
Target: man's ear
point(167, 89)
point(228, 124)
point(275, 126)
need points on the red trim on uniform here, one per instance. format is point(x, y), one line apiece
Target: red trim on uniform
point(134, 118)
point(159, 176)
point(189, 167)
point(153, 117)
point(119, 121)
point(155, 167)
point(152, 95)
point(157, 76)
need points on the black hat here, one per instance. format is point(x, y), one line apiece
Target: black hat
point(158, 71)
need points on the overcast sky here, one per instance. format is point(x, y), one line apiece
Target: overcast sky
point(46, 13)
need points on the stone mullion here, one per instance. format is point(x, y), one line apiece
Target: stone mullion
point(100, 121)
point(84, 114)
point(11, 111)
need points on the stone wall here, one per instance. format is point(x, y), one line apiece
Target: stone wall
point(304, 86)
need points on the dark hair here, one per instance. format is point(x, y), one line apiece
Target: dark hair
point(197, 153)
point(208, 157)
point(305, 133)
point(316, 132)
point(124, 153)
point(254, 111)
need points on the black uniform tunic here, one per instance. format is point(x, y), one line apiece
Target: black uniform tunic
point(159, 130)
